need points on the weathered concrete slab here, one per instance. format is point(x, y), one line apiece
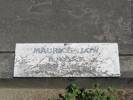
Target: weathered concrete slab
point(65, 21)
point(6, 65)
point(66, 60)
point(126, 63)
point(58, 83)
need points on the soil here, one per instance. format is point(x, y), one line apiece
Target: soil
point(45, 94)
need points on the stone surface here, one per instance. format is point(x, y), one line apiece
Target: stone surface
point(44, 21)
point(56, 21)
point(66, 60)
point(6, 65)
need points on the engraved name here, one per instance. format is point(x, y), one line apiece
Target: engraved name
point(65, 50)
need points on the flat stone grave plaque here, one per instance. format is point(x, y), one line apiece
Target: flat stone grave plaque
point(66, 60)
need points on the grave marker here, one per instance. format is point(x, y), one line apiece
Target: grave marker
point(67, 60)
